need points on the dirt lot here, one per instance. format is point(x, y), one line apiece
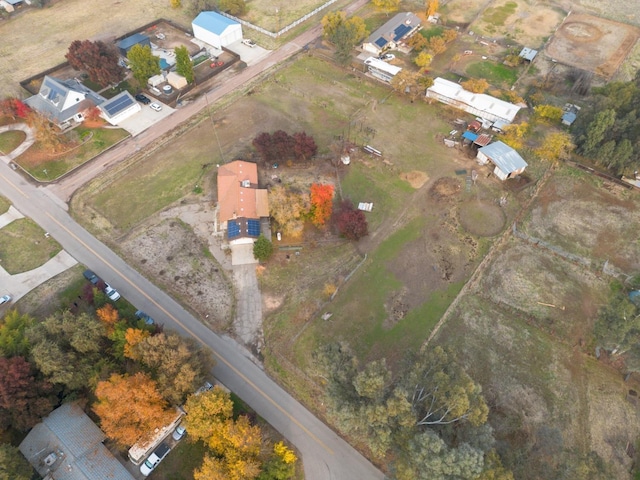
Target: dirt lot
point(593, 43)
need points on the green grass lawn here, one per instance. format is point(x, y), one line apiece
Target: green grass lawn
point(429, 33)
point(11, 140)
point(181, 462)
point(497, 16)
point(495, 73)
point(4, 205)
point(46, 168)
point(24, 247)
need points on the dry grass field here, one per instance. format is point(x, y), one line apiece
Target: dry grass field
point(37, 39)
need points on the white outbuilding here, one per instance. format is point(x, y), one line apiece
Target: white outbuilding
point(216, 30)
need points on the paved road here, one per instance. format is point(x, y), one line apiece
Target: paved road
point(325, 455)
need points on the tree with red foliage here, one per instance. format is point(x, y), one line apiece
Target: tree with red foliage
point(262, 143)
point(304, 146)
point(321, 203)
point(351, 223)
point(283, 144)
point(24, 400)
point(98, 59)
point(14, 108)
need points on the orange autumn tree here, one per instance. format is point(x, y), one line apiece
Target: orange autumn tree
point(108, 315)
point(133, 336)
point(130, 407)
point(321, 203)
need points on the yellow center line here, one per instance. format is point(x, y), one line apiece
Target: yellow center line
point(14, 186)
point(221, 358)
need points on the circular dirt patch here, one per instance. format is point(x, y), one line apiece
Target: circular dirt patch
point(415, 178)
point(481, 218)
point(445, 188)
point(581, 32)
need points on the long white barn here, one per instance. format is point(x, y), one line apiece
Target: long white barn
point(478, 104)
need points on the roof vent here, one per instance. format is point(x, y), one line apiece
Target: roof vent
point(246, 183)
point(50, 459)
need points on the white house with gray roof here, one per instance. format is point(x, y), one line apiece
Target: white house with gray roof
point(67, 445)
point(392, 33)
point(508, 163)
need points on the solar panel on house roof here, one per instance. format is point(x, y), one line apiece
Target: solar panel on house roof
point(118, 104)
point(253, 228)
point(401, 31)
point(233, 229)
point(55, 90)
point(381, 42)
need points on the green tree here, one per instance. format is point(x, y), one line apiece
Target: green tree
point(233, 7)
point(386, 6)
point(143, 63)
point(281, 465)
point(184, 65)
point(618, 321)
point(596, 131)
point(262, 249)
point(13, 465)
point(13, 340)
point(344, 33)
point(441, 392)
point(176, 363)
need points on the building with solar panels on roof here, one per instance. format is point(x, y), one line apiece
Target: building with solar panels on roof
point(241, 203)
point(119, 108)
point(392, 34)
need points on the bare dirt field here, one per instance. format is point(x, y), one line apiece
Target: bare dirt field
point(582, 218)
point(594, 44)
point(529, 24)
point(461, 12)
point(173, 256)
point(276, 14)
point(49, 34)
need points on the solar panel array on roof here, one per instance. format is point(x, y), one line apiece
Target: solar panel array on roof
point(233, 229)
point(253, 228)
point(117, 104)
point(55, 91)
point(401, 31)
point(381, 42)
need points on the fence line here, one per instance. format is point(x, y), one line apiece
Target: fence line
point(283, 30)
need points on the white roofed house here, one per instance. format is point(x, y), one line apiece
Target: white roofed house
point(119, 108)
point(479, 104)
point(508, 163)
point(380, 69)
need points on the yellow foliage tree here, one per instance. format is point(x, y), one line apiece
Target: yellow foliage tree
point(176, 3)
point(108, 315)
point(386, 6)
point(285, 453)
point(423, 59)
point(548, 112)
point(514, 134)
point(288, 209)
point(133, 336)
point(437, 45)
point(432, 7)
point(130, 407)
point(476, 85)
point(556, 146)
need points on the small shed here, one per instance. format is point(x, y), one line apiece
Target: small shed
point(528, 54)
point(216, 30)
point(508, 163)
point(128, 43)
point(119, 108)
point(483, 139)
point(156, 80)
point(176, 80)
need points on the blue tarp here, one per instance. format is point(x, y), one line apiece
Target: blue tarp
point(470, 135)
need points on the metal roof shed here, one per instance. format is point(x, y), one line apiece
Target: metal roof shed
point(128, 43)
point(528, 54)
point(508, 162)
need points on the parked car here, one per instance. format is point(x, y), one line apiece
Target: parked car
point(5, 299)
point(92, 277)
point(178, 433)
point(156, 106)
point(249, 43)
point(143, 316)
point(387, 56)
point(154, 459)
point(143, 99)
point(111, 292)
point(204, 388)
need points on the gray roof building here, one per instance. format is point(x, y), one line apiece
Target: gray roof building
point(61, 100)
point(127, 44)
point(528, 54)
point(389, 35)
point(67, 445)
point(507, 161)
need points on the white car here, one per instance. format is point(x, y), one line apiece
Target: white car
point(387, 56)
point(178, 433)
point(111, 292)
point(5, 299)
point(154, 459)
point(156, 106)
point(249, 43)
